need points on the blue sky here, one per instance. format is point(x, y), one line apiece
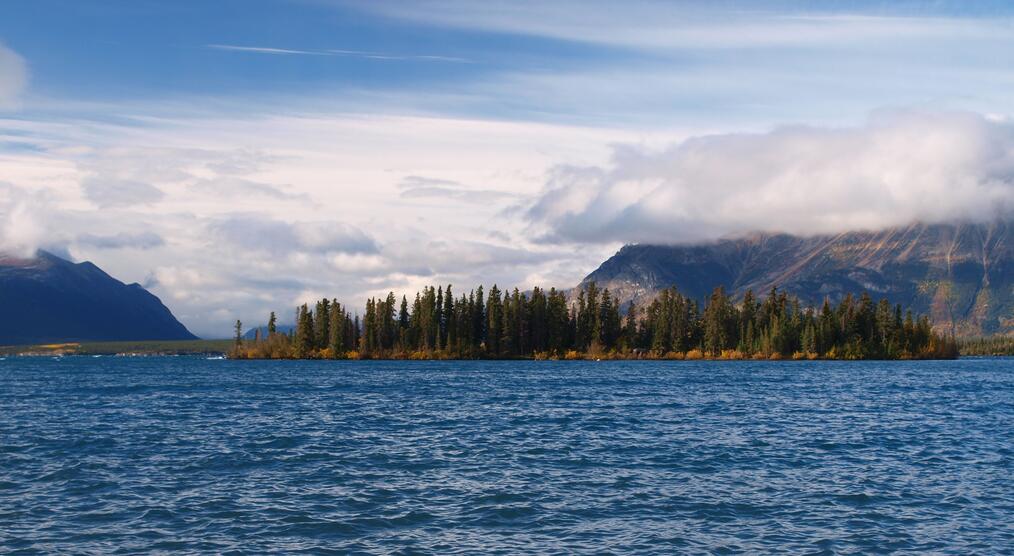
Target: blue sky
point(238, 157)
point(746, 60)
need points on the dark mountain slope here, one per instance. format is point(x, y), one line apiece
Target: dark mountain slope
point(962, 275)
point(48, 299)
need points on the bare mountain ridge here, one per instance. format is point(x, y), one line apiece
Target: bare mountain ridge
point(959, 274)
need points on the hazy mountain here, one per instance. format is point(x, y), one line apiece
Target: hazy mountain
point(960, 274)
point(281, 329)
point(49, 299)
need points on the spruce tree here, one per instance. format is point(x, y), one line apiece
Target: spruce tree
point(494, 322)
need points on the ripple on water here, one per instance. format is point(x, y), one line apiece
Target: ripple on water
point(188, 455)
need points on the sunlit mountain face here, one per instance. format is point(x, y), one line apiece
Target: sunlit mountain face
point(959, 274)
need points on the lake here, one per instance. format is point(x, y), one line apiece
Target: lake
point(130, 455)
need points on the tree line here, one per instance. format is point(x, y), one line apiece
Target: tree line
point(542, 324)
point(987, 346)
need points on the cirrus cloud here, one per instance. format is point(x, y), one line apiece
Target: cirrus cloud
point(13, 77)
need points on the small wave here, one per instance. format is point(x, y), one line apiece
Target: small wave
point(192, 456)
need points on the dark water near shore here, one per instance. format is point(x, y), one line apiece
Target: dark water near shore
point(189, 455)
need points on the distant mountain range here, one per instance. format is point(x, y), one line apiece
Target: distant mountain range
point(281, 329)
point(47, 299)
point(961, 275)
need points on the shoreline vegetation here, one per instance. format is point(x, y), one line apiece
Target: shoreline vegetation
point(126, 348)
point(546, 325)
point(988, 346)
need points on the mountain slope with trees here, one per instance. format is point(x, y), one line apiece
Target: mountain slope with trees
point(960, 275)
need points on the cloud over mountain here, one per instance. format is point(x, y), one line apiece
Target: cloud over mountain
point(22, 226)
point(897, 168)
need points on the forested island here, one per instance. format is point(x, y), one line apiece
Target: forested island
point(547, 325)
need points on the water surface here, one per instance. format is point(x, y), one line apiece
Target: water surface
point(131, 455)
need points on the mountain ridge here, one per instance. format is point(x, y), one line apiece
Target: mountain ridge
point(959, 274)
point(46, 299)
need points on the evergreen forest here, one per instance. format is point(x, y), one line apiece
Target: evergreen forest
point(589, 324)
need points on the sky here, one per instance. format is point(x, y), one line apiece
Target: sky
point(243, 156)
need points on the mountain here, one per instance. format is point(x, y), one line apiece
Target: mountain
point(961, 275)
point(281, 329)
point(47, 299)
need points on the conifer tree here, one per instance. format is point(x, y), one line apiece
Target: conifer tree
point(494, 322)
point(630, 327)
point(448, 333)
point(336, 338)
point(478, 321)
point(303, 341)
point(438, 319)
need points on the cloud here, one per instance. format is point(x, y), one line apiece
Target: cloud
point(122, 240)
point(898, 168)
point(112, 192)
point(410, 57)
point(419, 187)
point(259, 233)
point(263, 50)
point(338, 52)
point(692, 25)
point(13, 77)
point(234, 187)
point(239, 254)
point(22, 221)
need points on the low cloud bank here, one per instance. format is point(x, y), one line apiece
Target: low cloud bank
point(896, 169)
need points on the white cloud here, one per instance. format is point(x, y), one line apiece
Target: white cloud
point(342, 228)
point(121, 240)
point(237, 244)
point(261, 49)
point(441, 190)
point(261, 233)
point(112, 192)
point(13, 77)
point(22, 221)
point(898, 168)
point(237, 188)
point(336, 52)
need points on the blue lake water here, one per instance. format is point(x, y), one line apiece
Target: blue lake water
point(130, 455)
